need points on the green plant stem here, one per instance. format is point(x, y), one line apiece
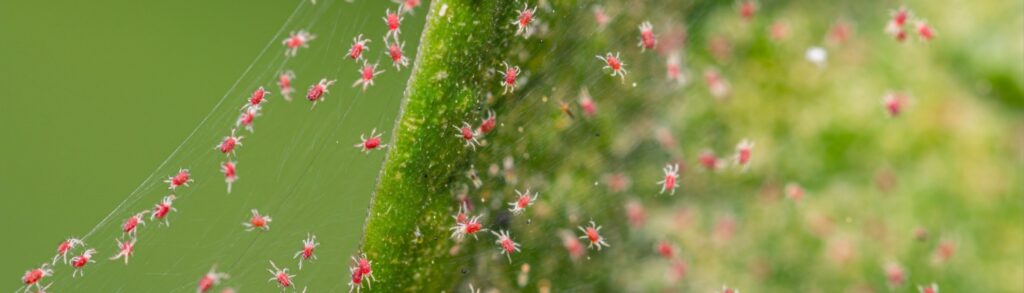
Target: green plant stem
point(406, 225)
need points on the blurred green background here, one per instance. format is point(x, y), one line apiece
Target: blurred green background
point(97, 94)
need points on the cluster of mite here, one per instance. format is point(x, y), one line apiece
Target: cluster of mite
point(467, 224)
point(75, 253)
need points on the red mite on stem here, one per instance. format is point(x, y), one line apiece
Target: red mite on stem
point(361, 272)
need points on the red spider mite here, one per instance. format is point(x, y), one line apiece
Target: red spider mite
point(747, 9)
point(673, 70)
point(161, 209)
point(587, 103)
point(284, 82)
point(280, 275)
point(617, 182)
point(306, 254)
point(257, 221)
point(467, 134)
point(900, 34)
point(467, 226)
point(895, 25)
point(505, 243)
point(636, 214)
point(933, 288)
point(395, 52)
point(613, 63)
point(408, 6)
point(258, 97)
point(356, 283)
point(794, 191)
point(228, 145)
point(524, 20)
point(924, 31)
point(393, 20)
point(247, 117)
point(366, 75)
point(840, 32)
point(717, 85)
point(509, 76)
point(359, 45)
point(523, 200)
point(132, 223)
point(317, 91)
point(592, 234)
point(677, 270)
point(65, 247)
point(600, 17)
point(944, 251)
point(666, 249)
point(488, 123)
point(181, 179)
point(647, 40)
point(729, 290)
point(210, 279)
point(461, 216)
point(368, 144)
point(708, 160)
point(572, 245)
point(778, 31)
point(894, 274)
point(295, 41)
point(671, 175)
point(125, 249)
point(743, 152)
point(80, 261)
point(230, 173)
point(665, 138)
point(361, 271)
point(900, 16)
point(33, 276)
